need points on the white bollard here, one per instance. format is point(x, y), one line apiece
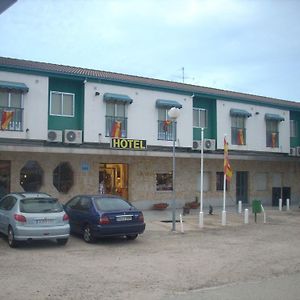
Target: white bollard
point(265, 218)
point(181, 223)
point(240, 207)
point(223, 217)
point(280, 204)
point(287, 204)
point(246, 216)
point(201, 219)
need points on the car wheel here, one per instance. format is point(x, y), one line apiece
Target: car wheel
point(11, 238)
point(131, 237)
point(62, 242)
point(88, 235)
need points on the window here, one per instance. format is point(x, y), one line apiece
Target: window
point(165, 125)
point(293, 128)
point(11, 111)
point(31, 176)
point(272, 134)
point(220, 182)
point(8, 203)
point(164, 181)
point(200, 118)
point(116, 121)
point(62, 104)
point(63, 177)
point(238, 130)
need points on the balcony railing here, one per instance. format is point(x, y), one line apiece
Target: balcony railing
point(272, 139)
point(238, 136)
point(165, 130)
point(116, 126)
point(11, 118)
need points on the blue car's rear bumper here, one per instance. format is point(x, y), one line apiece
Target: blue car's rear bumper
point(117, 230)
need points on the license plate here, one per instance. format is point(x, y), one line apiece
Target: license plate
point(43, 221)
point(124, 218)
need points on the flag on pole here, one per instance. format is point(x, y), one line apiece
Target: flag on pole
point(6, 118)
point(227, 167)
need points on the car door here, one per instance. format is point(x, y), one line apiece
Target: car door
point(6, 205)
point(73, 209)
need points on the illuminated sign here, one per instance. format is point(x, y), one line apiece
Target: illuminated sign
point(132, 144)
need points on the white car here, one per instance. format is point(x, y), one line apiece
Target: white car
point(33, 216)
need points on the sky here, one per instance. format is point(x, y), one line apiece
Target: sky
point(248, 46)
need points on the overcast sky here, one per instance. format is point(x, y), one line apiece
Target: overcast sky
point(250, 46)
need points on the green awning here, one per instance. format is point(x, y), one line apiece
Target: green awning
point(109, 97)
point(274, 117)
point(160, 103)
point(13, 87)
point(234, 112)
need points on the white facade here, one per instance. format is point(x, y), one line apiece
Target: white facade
point(142, 114)
point(35, 104)
point(255, 126)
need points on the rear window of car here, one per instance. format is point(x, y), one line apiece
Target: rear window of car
point(40, 205)
point(108, 204)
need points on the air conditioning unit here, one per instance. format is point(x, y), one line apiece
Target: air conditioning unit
point(297, 151)
point(54, 136)
point(293, 151)
point(73, 136)
point(209, 145)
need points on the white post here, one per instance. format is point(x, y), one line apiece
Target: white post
point(246, 216)
point(265, 218)
point(201, 181)
point(280, 204)
point(240, 207)
point(287, 204)
point(224, 201)
point(181, 223)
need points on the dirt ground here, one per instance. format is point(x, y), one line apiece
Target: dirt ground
point(157, 265)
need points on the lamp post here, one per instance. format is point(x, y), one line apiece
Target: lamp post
point(201, 180)
point(173, 113)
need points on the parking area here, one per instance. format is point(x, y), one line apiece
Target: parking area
point(160, 264)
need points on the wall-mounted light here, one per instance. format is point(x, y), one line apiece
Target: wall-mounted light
point(97, 94)
point(257, 113)
point(27, 133)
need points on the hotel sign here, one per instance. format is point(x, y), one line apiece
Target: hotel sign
point(132, 144)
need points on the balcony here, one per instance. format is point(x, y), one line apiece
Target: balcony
point(11, 118)
point(116, 126)
point(165, 130)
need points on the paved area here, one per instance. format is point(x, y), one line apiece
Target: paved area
point(162, 264)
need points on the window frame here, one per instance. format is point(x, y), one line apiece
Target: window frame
point(62, 104)
point(220, 182)
point(165, 125)
point(270, 123)
point(238, 123)
point(293, 129)
point(199, 110)
point(168, 177)
point(110, 119)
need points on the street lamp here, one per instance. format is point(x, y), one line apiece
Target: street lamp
point(174, 113)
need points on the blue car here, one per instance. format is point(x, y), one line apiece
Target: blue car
point(95, 216)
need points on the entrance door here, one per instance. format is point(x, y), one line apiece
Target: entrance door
point(4, 177)
point(286, 194)
point(242, 187)
point(283, 193)
point(113, 179)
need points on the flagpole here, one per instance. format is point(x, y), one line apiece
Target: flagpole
point(201, 181)
point(224, 186)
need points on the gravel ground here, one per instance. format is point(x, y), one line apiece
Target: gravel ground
point(159, 264)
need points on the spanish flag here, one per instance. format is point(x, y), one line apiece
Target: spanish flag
point(240, 137)
point(6, 117)
point(274, 135)
point(227, 167)
point(166, 125)
point(116, 129)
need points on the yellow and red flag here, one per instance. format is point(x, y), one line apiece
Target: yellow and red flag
point(240, 137)
point(6, 117)
point(274, 135)
point(116, 129)
point(227, 167)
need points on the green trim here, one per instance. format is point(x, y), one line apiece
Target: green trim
point(274, 117)
point(14, 86)
point(160, 103)
point(189, 91)
point(109, 97)
point(239, 113)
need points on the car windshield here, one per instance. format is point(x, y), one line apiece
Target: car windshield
point(107, 204)
point(40, 205)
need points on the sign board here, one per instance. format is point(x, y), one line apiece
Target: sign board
point(131, 144)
